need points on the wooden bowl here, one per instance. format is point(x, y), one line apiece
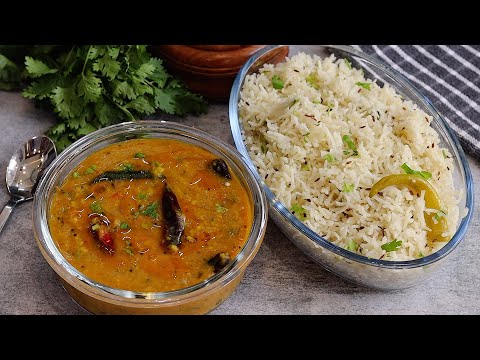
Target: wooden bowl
point(210, 70)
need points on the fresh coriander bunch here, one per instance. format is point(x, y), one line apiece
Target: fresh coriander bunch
point(92, 86)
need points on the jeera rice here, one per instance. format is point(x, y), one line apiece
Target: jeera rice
point(321, 135)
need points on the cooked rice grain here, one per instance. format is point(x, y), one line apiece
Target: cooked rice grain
point(298, 131)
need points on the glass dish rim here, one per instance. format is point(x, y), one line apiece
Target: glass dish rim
point(309, 233)
point(93, 288)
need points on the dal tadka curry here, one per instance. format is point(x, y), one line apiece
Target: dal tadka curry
point(150, 215)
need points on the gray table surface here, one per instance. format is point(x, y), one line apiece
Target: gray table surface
point(280, 280)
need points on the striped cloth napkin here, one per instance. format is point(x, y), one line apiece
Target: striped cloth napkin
point(449, 75)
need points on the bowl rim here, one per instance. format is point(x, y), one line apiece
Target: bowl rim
point(312, 235)
point(138, 298)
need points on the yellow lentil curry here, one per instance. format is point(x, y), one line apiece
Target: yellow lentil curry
point(150, 215)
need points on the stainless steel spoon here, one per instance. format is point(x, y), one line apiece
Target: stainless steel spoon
point(24, 170)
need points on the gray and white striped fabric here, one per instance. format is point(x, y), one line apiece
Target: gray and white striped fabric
point(449, 75)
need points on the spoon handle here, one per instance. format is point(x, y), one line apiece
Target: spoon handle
point(7, 209)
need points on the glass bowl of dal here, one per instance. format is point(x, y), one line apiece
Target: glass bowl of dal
point(360, 171)
point(149, 217)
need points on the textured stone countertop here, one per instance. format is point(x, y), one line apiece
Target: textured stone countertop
point(280, 280)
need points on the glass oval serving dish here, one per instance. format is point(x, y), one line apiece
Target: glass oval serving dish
point(370, 272)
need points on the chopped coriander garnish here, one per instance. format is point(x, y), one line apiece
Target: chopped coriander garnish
point(351, 145)
point(439, 215)
point(76, 174)
point(392, 245)
point(128, 250)
point(420, 255)
point(305, 137)
point(348, 188)
point(348, 63)
point(364, 85)
point(91, 169)
point(220, 209)
point(124, 226)
point(139, 155)
point(142, 196)
point(96, 207)
point(263, 147)
point(312, 80)
point(158, 169)
point(299, 211)
point(149, 210)
point(424, 174)
point(407, 169)
point(263, 144)
point(352, 246)
point(277, 82)
point(127, 167)
point(329, 158)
